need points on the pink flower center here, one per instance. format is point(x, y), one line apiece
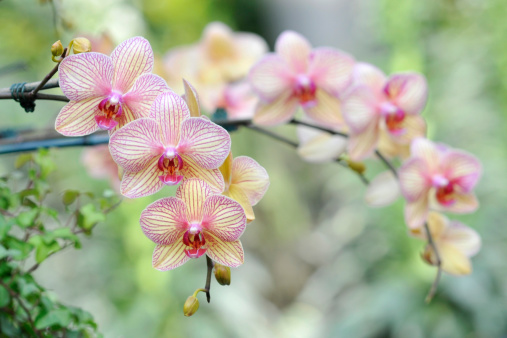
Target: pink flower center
point(110, 110)
point(304, 90)
point(394, 118)
point(170, 163)
point(444, 190)
point(194, 240)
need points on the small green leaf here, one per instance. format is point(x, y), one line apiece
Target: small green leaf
point(43, 247)
point(89, 216)
point(26, 219)
point(22, 160)
point(59, 317)
point(5, 298)
point(24, 248)
point(69, 197)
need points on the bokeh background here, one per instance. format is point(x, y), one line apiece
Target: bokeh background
point(319, 262)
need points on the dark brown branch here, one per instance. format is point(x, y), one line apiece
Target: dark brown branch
point(49, 75)
point(207, 287)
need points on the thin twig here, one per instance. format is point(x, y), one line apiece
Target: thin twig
point(207, 287)
point(49, 75)
point(387, 163)
point(330, 131)
point(434, 286)
point(20, 302)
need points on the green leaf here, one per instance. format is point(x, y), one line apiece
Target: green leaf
point(45, 163)
point(89, 216)
point(43, 247)
point(26, 219)
point(59, 317)
point(24, 248)
point(27, 286)
point(5, 298)
point(5, 226)
point(22, 159)
point(69, 197)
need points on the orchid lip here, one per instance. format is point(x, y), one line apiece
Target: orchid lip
point(105, 123)
point(171, 179)
point(439, 181)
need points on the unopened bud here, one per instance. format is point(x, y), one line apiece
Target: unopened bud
point(81, 45)
point(223, 274)
point(358, 167)
point(57, 48)
point(191, 306)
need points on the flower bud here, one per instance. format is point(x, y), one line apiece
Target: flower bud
point(81, 45)
point(358, 167)
point(222, 274)
point(191, 306)
point(57, 48)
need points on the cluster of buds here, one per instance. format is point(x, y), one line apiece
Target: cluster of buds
point(77, 45)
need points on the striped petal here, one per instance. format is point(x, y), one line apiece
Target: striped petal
point(142, 183)
point(360, 109)
point(370, 76)
point(409, 91)
point(414, 126)
point(205, 142)
point(237, 194)
point(164, 221)
point(131, 59)
point(226, 169)
point(279, 111)
point(327, 111)
point(251, 177)
point(413, 182)
point(416, 213)
point(223, 217)
point(136, 145)
point(270, 77)
point(192, 99)
point(331, 69)
point(213, 177)
point(78, 118)
point(168, 257)
point(225, 253)
point(362, 145)
point(427, 151)
point(194, 192)
point(463, 204)
point(169, 110)
point(453, 260)
point(146, 88)
point(383, 190)
point(463, 238)
point(86, 75)
point(125, 118)
point(294, 49)
point(462, 168)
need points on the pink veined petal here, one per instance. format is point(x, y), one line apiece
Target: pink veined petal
point(327, 111)
point(136, 144)
point(131, 58)
point(414, 127)
point(323, 148)
point(453, 260)
point(427, 151)
point(146, 88)
point(142, 183)
point(213, 177)
point(409, 91)
point(416, 213)
point(388, 146)
point(205, 142)
point(360, 109)
point(413, 179)
point(277, 112)
point(126, 117)
point(463, 204)
point(383, 190)
point(465, 239)
point(251, 177)
point(369, 76)
point(168, 257)
point(223, 217)
point(331, 69)
point(164, 221)
point(86, 75)
point(362, 145)
point(437, 224)
point(78, 118)
point(169, 110)
point(194, 192)
point(225, 253)
point(270, 77)
point(461, 168)
point(192, 99)
point(294, 49)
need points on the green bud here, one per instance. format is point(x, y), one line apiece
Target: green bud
point(57, 48)
point(81, 45)
point(191, 306)
point(223, 274)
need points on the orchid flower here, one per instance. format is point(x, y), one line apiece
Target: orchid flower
point(193, 223)
point(455, 243)
point(99, 164)
point(167, 147)
point(219, 58)
point(297, 76)
point(246, 182)
point(437, 177)
point(107, 92)
point(383, 190)
point(378, 105)
point(319, 146)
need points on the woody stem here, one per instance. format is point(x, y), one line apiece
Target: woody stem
point(209, 264)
